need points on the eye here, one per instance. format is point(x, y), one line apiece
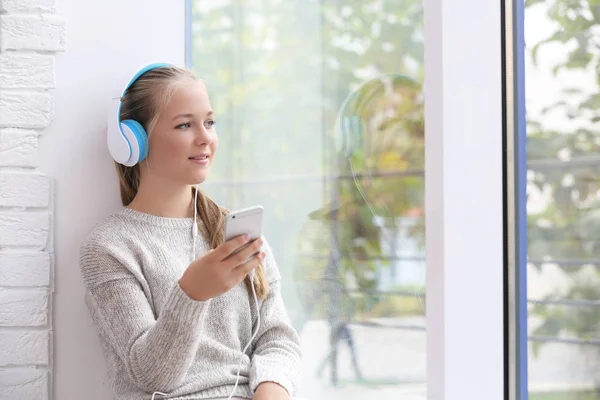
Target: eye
point(186, 125)
point(209, 124)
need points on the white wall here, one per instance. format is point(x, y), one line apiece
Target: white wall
point(106, 42)
point(463, 200)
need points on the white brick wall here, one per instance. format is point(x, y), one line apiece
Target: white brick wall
point(24, 190)
point(32, 32)
point(14, 6)
point(24, 348)
point(18, 148)
point(24, 383)
point(24, 109)
point(30, 36)
point(26, 70)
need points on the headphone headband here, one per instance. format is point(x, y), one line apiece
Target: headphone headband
point(142, 71)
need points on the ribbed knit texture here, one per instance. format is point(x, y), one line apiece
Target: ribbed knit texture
point(156, 338)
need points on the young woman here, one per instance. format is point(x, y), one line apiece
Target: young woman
point(177, 316)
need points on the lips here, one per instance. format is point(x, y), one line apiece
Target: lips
point(199, 157)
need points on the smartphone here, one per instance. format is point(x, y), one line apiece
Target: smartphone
point(246, 221)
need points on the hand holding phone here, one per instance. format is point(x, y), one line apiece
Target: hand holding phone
point(221, 269)
point(227, 265)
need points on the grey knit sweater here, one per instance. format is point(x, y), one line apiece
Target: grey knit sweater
point(156, 338)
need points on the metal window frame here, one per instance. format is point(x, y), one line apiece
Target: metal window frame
point(515, 180)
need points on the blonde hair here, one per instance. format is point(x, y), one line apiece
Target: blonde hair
point(144, 101)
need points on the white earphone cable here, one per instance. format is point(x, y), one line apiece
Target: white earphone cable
point(251, 339)
point(155, 393)
point(194, 235)
point(251, 275)
point(195, 225)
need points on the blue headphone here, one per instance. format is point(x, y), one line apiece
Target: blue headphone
point(127, 140)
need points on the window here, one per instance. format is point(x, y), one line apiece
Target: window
point(563, 154)
point(320, 116)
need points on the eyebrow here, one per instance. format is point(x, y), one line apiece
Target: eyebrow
point(208, 114)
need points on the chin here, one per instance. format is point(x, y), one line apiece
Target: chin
point(197, 180)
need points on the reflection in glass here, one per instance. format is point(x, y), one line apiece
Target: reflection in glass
point(319, 111)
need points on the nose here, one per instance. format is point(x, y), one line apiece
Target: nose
point(204, 136)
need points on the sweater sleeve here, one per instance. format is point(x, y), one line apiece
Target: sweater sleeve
point(276, 355)
point(157, 352)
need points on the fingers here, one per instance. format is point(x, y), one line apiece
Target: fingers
point(244, 254)
point(240, 256)
point(226, 249)
point(245, 268)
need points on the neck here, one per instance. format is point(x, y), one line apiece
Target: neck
point(163, 199)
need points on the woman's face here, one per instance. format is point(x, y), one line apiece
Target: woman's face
point(184, 141)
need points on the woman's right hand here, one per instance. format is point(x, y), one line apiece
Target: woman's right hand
point(218, 271)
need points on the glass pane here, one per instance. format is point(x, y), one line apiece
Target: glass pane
point(563, 151)
point(320, 118)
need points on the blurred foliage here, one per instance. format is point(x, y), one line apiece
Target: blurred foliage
point(579, 395)
point(563, 171)
point(278, 73)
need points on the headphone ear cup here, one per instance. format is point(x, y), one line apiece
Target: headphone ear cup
point(138, 139)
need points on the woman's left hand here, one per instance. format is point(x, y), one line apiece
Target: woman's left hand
point(270, 391)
